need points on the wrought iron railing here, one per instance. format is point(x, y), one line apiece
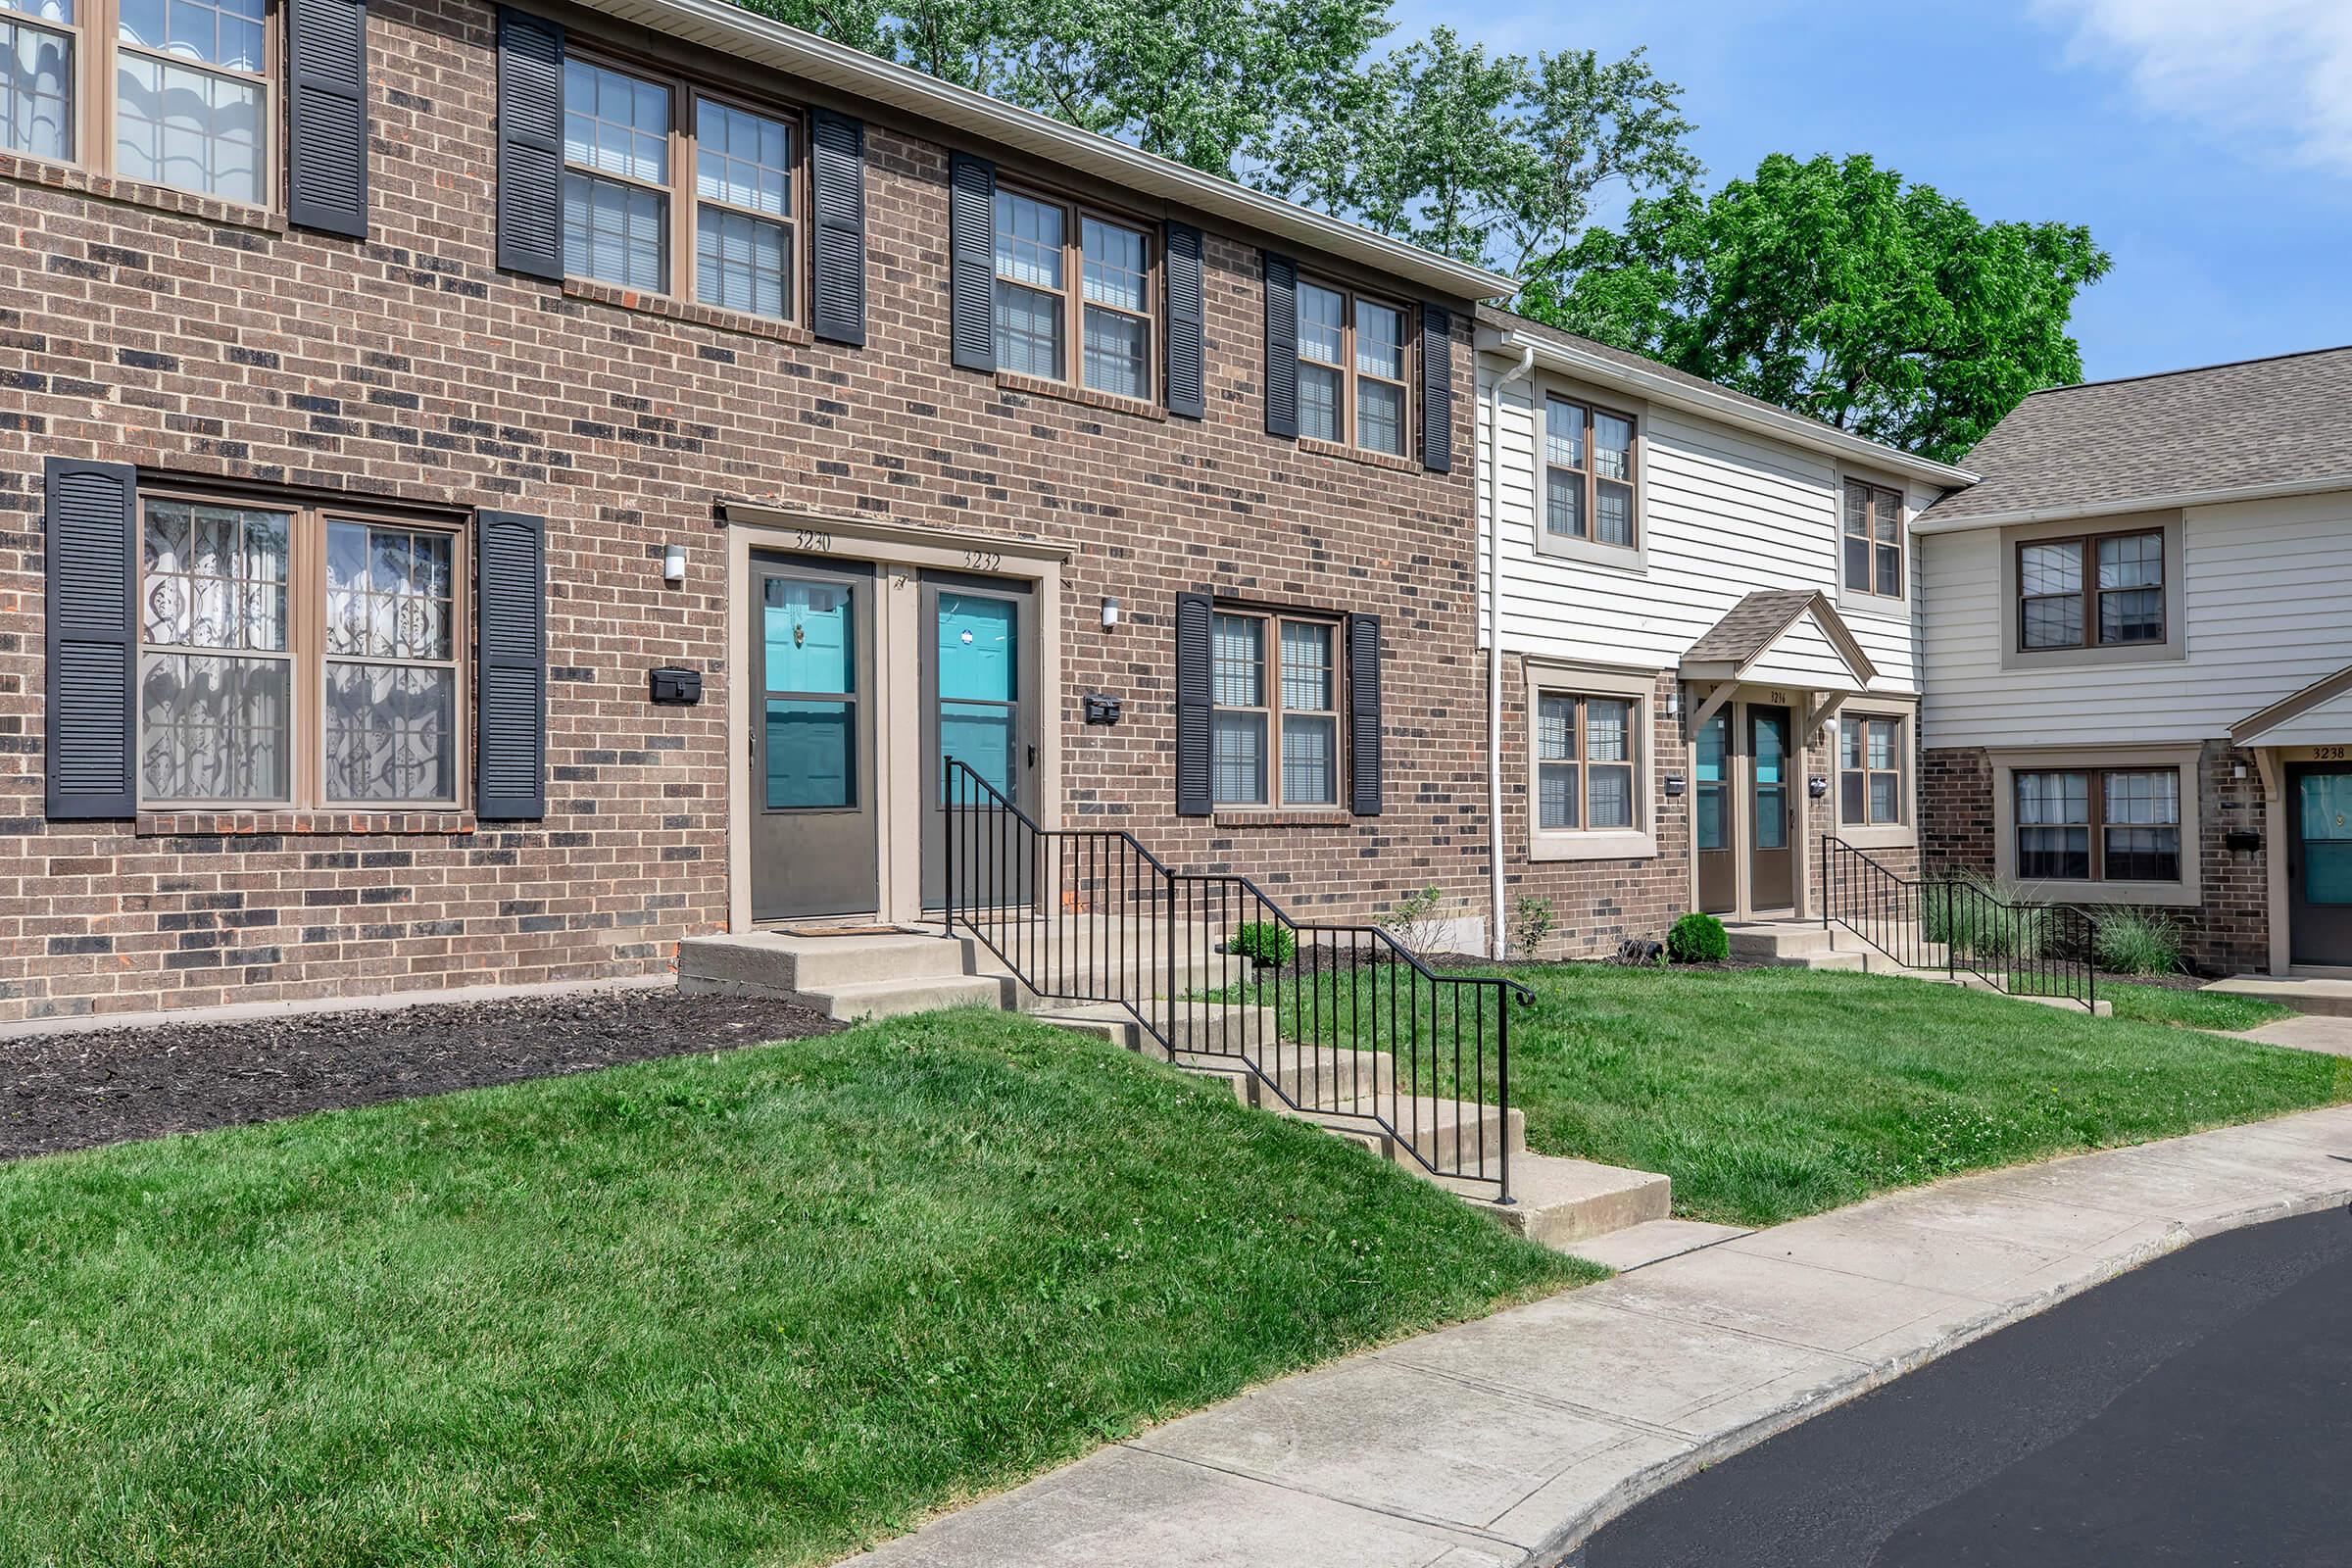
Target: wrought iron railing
point(1960, 925)
point(1341, 1022)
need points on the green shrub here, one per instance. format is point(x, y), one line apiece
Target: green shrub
point(1698, 939)
point(1531, 923)
point(2136, 942)
point(1983, 919)
point(1267, 944)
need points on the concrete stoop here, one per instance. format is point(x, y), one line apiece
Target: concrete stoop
point(2315, 996)
point(1557, 1201)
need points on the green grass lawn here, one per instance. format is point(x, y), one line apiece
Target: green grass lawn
point(1770, 1094)
point(2189, 1009)
point(756, 1308)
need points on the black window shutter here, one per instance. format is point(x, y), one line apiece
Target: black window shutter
point(531, 145)
point(327, 116)
point(1186, 308)
point(972, 261)
point(509, 748)
point(837, 176)
point(1437, 389)
point(1192, 616)
point(1282, 345)
point(1363, 714)
point(92, 589)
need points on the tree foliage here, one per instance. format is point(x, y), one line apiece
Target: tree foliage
point(1834, 289)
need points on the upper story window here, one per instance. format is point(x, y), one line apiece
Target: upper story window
point(186, 85)
point(1044, 245)
point(1870, 771)
point(1874, 540)
point(1587, 473)
point(1294, 706)
point(628, 215)
point(2103, 591)
point(1353, 387)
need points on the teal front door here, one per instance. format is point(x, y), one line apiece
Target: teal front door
point(980, 708)
point(814, 845)
point(2319, 866)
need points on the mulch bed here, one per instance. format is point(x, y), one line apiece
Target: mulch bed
point(73, 1090)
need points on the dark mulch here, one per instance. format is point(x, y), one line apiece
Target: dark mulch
point(72, 1091)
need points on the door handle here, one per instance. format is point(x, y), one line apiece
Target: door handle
point(1033, 755)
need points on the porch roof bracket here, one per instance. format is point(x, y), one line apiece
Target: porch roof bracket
point(1822, 708)
point(1721, 694)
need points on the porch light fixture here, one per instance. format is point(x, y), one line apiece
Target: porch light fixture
point(673, 564)
point(1110, 614)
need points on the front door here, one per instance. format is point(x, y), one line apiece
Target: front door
point(980, 706)
point(2319, 866)
point(814, 849)
point(1711, 826)
point(1772, 811)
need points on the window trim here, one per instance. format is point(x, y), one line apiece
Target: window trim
point(96, 36)
point(2184, 759)
point(305, 656)
point(1588, 474)
point(1876, 488)
point(680, 231)
point(2010, 571)
point(1274, 711)
point(1343, 417)
point(1075, 211)
point(1547, 677)
point(2091, 594)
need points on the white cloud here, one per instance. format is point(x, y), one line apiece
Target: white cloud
point(2276, 73)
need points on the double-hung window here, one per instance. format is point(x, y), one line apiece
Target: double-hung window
point(1587, 473)
point(1353, 382)
point(2100, 824)
point(186, 85)
point(1043, 246)
point(1586, 762)
point(1870, 771)
point(1874, 540)
point(629, 139)
point(295, 655)
point(2104, 590)
point(1274, 734)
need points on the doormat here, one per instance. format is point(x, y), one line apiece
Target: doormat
point(851, 930)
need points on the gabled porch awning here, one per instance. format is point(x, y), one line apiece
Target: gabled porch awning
point(2320, 715)
point(1788, 637)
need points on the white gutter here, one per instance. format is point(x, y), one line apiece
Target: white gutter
point(1497, 943)
point(2122, 505)
point(1716, 404)
point(729, 29)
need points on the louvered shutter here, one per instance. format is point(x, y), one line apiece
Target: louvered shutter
point(327, 116)
point(1193, 617)
point(1437, 389)
point(1186, 362)
point(1282, 345)
point(510, 777)
point(531, 145)
point(1363, 714)
point(91, 585)
point(972, 261)
point(837, 176)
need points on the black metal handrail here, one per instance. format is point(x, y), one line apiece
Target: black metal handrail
point(1351, 1026)
point(1956, 923)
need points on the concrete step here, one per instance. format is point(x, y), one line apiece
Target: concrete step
point(776, 963)
point(1776, 939)
point(2317, 996)
point(1560, 1202)
point(1449, 1135)
point(891, 999)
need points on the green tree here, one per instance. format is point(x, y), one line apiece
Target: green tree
point(1834, 289)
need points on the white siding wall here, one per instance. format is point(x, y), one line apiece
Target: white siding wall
point(2267, 599)
point(1725, 512)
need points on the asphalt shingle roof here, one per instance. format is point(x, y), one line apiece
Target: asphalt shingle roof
point(1749, 627)
point(2285, 420)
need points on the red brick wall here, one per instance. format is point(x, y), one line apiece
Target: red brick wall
point(150, 329)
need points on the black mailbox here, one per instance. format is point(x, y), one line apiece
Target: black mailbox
point(1100, 709)
point(1674, 784)
point(679, 686)
point(2241, 842)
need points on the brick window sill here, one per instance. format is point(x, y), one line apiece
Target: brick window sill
point(687, 310)
point(1319, 817)
point(24, 170)
point(1340, 448)
point(296, 823)
point(1037, 386)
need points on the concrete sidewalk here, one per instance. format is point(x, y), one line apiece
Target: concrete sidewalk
point(1506, 1440)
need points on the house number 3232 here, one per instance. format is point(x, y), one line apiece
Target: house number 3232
point(983, 560)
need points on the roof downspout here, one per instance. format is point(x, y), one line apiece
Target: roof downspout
point(1498, 945)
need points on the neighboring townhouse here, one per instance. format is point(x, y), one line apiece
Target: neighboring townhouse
point(1709, 626)
point(2138, 642)
point(498, 491)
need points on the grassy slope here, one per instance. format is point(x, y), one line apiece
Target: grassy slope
point(758, 1307)
point(2189, 1009)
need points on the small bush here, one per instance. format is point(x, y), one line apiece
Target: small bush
point(1531, 923)
point(1980, 918)
point(1698, 939)
point(1267, 944)
point(1415, 921)
point(2136, 942)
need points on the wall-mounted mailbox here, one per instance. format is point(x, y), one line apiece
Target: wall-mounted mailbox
point(1817, 786)
point(1100, 709)
point(2241, 841)
point(683, 687)
point(1674, 784)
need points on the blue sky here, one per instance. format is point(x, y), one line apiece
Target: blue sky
point(2207, 143)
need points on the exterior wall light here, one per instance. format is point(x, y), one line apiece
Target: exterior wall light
point(673, 564)
point(1110, 614)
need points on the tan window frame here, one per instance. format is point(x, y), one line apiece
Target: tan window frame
point(1351, 373)
point(306, 653)
point(1587, 476)
point(1578, 761)
point(2090, 595)
point(1853, 762)
point(1878, 500)
point(1274, 711)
